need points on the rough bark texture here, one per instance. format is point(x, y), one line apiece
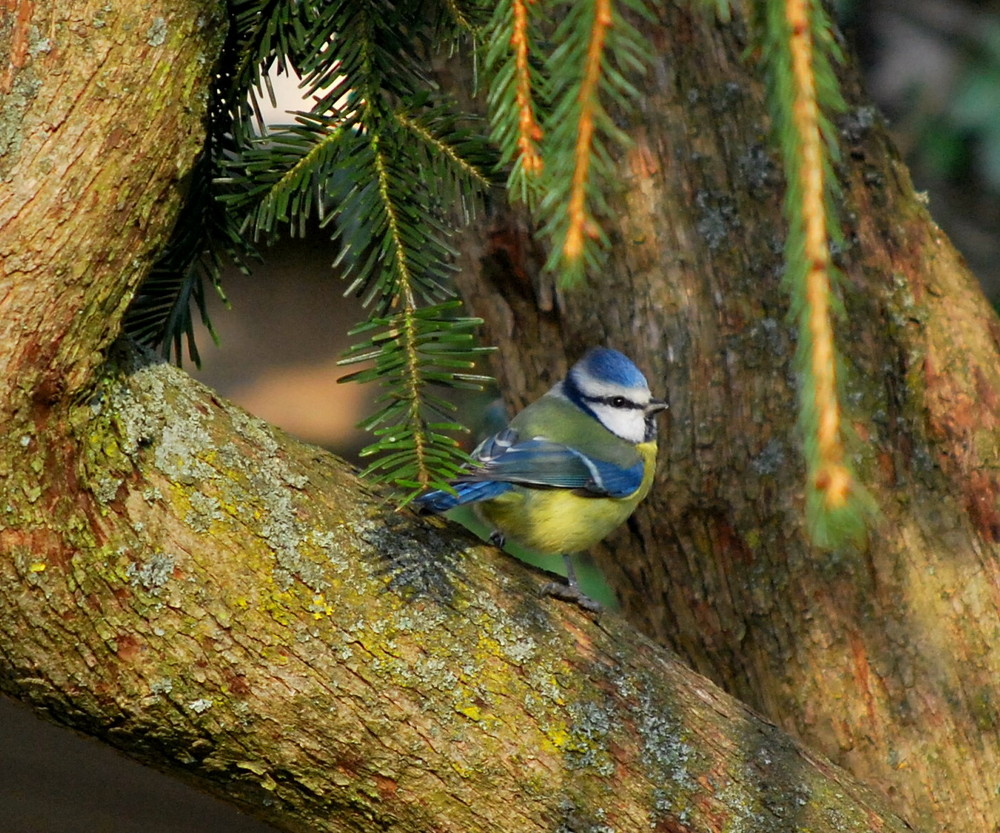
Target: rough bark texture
point(84, 84)
point(886, 658)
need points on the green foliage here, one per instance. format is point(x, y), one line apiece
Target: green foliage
point(516, 96)
point(383, 161)
point(411, 421)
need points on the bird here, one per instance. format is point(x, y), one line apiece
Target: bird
point(568, 469)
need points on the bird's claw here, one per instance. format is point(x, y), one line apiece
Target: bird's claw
point(570, 593)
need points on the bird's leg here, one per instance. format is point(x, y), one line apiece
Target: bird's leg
point(570, 572)
point(570, 591)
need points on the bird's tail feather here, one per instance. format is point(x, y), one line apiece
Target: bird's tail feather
point(442, 501)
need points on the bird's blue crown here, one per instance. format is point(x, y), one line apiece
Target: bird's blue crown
point(606, 365)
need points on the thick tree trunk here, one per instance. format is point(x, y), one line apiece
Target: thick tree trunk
point(236, 608)
point(86, 84)
point(885, 658)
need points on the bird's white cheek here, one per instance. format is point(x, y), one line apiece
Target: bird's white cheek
point(628, 424)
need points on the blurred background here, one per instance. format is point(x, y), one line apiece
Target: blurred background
point(933, 68)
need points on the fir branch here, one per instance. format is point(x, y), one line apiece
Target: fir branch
point(466, 17)
point(160, 316)
point(267, 36)
point(512, 97)
point(461, 160)
point(580, 223)
point(396, 253)
point(411, 380)
point(411, 350)
point(407, 431)
point(397, 247)
point(598, 51)
point(446, 149)
point(285, 177)
point(811, 189)
point(376, 158)
point(550, 114)
point(529, 132)
point(800, 47)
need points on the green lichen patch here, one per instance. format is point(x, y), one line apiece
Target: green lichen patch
point(156, 35)
point(152, 573)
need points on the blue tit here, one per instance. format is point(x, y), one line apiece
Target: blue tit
point(569, 468)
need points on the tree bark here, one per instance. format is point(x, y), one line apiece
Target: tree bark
point(83, 86)
point(885, 658)
point(236, 608)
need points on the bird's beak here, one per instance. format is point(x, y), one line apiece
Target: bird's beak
point(655, 406)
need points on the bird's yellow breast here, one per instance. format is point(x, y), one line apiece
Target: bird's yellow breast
point(562, 520)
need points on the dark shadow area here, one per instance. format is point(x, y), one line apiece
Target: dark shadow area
point(53, 780)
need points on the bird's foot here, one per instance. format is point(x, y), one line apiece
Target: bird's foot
point(570, 593)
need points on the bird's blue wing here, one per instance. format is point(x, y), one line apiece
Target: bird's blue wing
point(540, 462)
point(502, 461)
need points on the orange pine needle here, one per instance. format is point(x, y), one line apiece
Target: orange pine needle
point(580, 224)
point(529, 131)
point(832, 477)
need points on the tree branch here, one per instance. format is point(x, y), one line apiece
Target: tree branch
point(234, 607)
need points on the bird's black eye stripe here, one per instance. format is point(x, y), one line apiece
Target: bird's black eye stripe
point(615, 402)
